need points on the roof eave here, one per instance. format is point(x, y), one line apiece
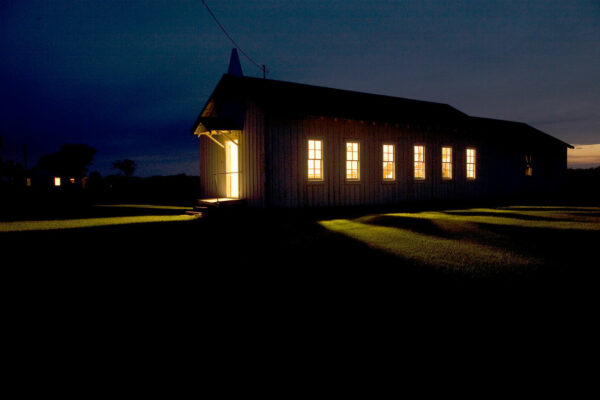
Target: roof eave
point(210, 98)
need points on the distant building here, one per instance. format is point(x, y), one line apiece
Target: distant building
point(282, 144)
point(51, 180)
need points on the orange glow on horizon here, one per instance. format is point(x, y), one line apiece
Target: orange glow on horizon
point(584, 156)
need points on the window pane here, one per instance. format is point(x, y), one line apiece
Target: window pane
point(471, 163)
point(352, 161)
point(389, 166)
point(419, 153)
point(419, 162)
point(446, 162)
point(446, 154)
point(315, 160)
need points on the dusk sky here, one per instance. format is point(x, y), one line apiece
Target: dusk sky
point(130, 77)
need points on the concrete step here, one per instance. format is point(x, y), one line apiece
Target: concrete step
point(195, 213)
point(221, 203)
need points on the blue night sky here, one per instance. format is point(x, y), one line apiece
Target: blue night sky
point(129, 77)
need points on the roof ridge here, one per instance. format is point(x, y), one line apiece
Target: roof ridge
point(306, 85)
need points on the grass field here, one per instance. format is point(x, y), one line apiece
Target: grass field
point(101, 272)
point(478, 240)
point(121, 280)
point(474, 242)
point(141, 251)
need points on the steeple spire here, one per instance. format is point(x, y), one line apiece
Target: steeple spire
point(235, 68)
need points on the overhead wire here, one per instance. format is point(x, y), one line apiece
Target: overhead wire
point(263, 68)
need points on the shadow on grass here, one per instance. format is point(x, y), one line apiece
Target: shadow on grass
point(549, 208)
point(559, 251)
point(258, 258)
point(556, 246)
point(239, 257)
point(418, 225)
point(515, 215)
point(452, 230)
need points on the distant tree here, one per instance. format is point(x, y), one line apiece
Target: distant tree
point(127, 167)
point(71, 160)
point(95, 181)
point(11, 171)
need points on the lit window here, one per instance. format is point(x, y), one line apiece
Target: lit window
point(315, 160)
point(352, 161)
point(232, 176)
point(420, 162)
point(28, 181)
point(57, 181)
point(528, 167)
point(446, 162)
point(389, 163)
point(471, 163)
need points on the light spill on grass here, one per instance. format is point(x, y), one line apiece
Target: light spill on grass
point(428, 250)
point(145, 206)
point(585, 223)
point(590, 214)
point(21, 226)
point(557, 208)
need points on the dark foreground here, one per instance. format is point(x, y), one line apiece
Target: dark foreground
point(128, 300)
point(527, 248)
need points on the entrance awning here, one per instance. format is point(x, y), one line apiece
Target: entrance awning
point(211, 124)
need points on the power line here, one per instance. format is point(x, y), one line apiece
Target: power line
point(263, 68)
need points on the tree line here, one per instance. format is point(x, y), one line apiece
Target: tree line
point(71, 160)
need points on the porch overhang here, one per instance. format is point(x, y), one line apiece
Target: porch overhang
point(206, 125)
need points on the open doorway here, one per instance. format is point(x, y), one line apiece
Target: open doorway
point(232, 170)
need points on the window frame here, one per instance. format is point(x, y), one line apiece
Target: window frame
point(451, 178)
point(345, 149)
point(467, 163)
point(307, 153)
point(415, 178)
point(395, 157)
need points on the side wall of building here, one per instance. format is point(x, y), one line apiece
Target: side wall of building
point(500, 166)
point(212, 163)
point(252, 157)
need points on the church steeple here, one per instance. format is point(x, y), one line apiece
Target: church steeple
point(235, 68)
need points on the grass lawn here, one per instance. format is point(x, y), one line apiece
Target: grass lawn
point(128, 276)
point(121, 281)
point(96, 216)
point(128, 255)
point(146, 248)
point(480, 240)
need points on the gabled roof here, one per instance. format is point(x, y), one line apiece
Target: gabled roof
point(329, 102)
point(513, 131)
point(300, 98)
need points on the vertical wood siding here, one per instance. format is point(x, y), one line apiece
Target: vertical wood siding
point(212, 161)
point(252, 157)
point(499, 166)
point(273, 163)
